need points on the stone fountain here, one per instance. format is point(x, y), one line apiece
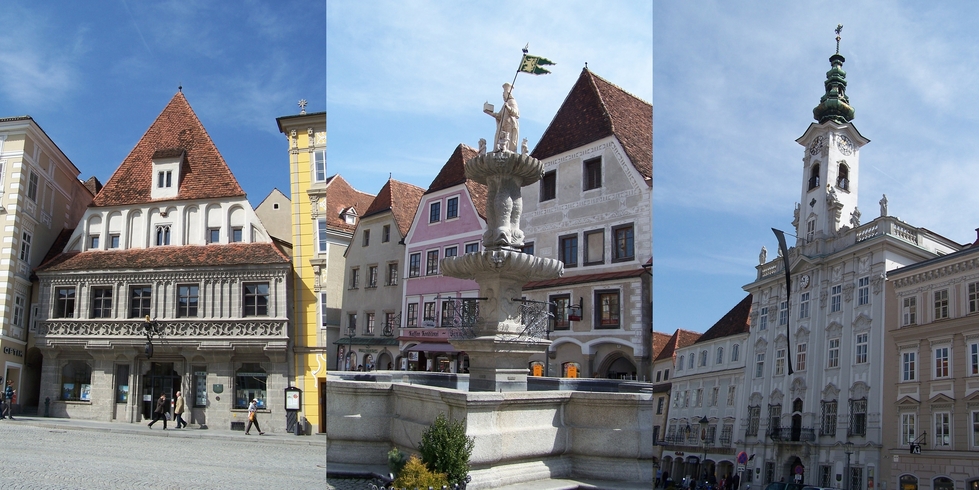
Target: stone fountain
point(499, 348)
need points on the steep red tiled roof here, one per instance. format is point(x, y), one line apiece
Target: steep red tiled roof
point(340, 196)
point(681, 338)
point(401, 198)
point(659, 342)
point(595, 109)
point(204, 172)
point(203, 256)
point(734, 322)
point(453, 173)
point(583, 279)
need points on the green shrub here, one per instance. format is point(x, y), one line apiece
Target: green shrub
point(416, 475)
point(446, 448)
point(396, 461)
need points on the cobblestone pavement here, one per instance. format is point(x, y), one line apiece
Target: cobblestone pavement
point(34, 456)
point(347, 483)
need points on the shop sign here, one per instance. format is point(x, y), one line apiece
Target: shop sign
point(425, 333)
point(13, 352)
point(369, 351)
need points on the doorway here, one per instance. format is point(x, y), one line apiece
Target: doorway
point(161, 378)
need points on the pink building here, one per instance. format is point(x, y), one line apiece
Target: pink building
point(450, 220)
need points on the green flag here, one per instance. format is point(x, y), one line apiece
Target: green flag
point(534, 65)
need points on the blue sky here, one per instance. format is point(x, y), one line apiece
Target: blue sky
point(406, 80)
point(736, 83)
point(95, 77)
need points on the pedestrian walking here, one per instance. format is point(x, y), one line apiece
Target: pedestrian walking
point(253, 418)
point(178, 410)
point(160, 412)
point(8, 396)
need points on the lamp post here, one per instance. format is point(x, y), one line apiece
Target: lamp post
point(848, 449)
point(351, 330)
point(703, 439)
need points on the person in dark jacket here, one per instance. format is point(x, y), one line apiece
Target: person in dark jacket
point(160, 411)
point(8, 395)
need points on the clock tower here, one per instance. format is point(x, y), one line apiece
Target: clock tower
point(831, 162)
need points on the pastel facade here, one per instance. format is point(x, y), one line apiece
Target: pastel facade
point(450, 220)
point(169, 283)
point(40, 195)
point(593, 211)
point(374, 279)
point(931, 374)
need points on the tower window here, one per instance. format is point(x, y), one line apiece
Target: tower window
point(814, 177)
point(843, 178)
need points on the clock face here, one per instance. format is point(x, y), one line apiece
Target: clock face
point(804, 281)
point(845, 145)
point(816, 146)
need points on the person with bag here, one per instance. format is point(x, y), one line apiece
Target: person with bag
point(8, 395)
point(253, 418)
point(161, 411)
point(178, 410)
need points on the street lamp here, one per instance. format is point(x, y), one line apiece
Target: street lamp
point(703, 439)
point(848, 449)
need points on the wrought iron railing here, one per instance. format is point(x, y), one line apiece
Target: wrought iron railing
point(792, 434)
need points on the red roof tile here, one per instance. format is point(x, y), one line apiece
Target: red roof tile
point(453, 173)
point(204, 173)
point(734, 322)
point(199, 256)
point(401, 198)
point(659, 342)
point(341, 196)
point(595, 109)
point(681, 338)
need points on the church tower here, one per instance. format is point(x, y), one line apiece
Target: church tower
point(831, 162)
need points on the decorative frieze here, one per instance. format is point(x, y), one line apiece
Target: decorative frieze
point(168, 328)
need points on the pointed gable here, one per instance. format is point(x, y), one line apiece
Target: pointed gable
point(203, 172)
point(453, 173)
point(680, 339)
point(341, 197)
point(734, 322)
point(401, 199)
point(595, 109)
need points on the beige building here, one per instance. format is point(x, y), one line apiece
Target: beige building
point(592, 210)
point(931, 376)
point(40, 195)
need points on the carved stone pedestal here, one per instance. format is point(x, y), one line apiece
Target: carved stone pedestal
point(497, 364)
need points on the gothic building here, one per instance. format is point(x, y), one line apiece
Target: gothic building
point(169, 283)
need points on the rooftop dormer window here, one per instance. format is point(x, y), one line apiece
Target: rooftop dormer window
point(166, 172)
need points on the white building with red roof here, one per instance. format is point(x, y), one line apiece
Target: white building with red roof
point(169, 283)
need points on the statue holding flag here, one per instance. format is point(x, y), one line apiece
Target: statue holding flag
point(508, 118)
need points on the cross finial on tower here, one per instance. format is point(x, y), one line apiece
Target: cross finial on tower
point(302, 106)
point(839, 27)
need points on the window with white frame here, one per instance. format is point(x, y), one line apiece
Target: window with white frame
point(833, 354)
point(432, 263)
point(836, 298)
point(908, 425)
point(975, 428)
point(720, 356)
point(909, 369)
point(783, 313)
point(861, 350)
point(698, 398)
point(943, 433)
point(942, 369)
point(759, 364)
point(452, 208)
point(734, 352)
point(941, 304)
point(763, 319)
point(412, 320)
point(858, 417)
point(32, 187)
point(703, 358)
point(828, 419)
point(863, 291)
point(909, 311)
point(369, 323)
point(20, 303)
point(321, 234)
point(973, 359)
point(392, 274)
point(690, 361)
point(435, 212)
point(713, 396)
point(679, 366)
point(163, 235)
point(804, 305)
point(754, 416)
point(810, 230)
point(25, 247)
point(800, 356)
point(319, 166)
point(731, 392)
point(414, 264)
point(779, 362)
point(472, 247)
point(973, 297)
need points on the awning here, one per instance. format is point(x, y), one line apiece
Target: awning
point(432, 347)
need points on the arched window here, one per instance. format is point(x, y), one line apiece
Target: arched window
point(908, 482)
point(843, 177)
point(720, 356)
point(734, 352)
point(703, 358)
point(251, 382)
point(76, 381)
point(814, 177)
point(679, 366)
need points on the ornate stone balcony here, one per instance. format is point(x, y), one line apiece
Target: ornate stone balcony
point(174, 329)
point(792, 434)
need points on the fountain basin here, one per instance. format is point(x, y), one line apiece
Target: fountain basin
point(503, 263)
point(525, 169)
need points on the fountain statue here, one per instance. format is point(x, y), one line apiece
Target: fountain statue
point(499, 346)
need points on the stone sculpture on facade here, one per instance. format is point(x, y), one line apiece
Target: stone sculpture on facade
point(883, 206)
point(507, 122)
